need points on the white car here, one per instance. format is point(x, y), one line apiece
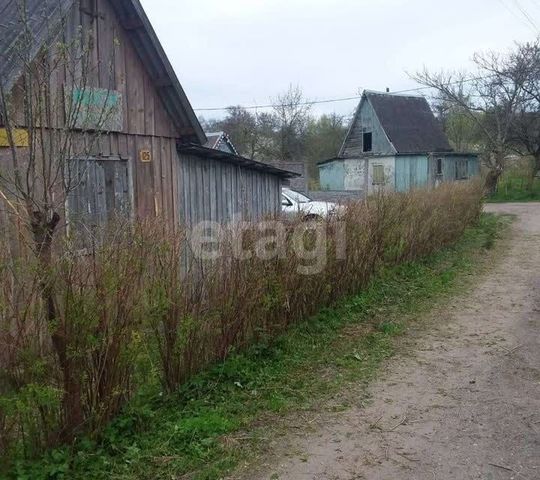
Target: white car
point(295, 203)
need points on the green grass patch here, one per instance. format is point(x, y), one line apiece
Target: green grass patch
point(219, 418)
point(517, 186)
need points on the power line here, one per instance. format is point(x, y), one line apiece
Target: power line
point(526, 15)
point(332, 100)
point(527, 21)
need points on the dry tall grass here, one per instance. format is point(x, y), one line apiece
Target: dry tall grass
point(139, 300)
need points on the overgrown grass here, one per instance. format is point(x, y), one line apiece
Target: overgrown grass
point(517, 185)
point(219, 417)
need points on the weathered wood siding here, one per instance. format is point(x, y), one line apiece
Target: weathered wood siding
point(449, 164)
point(411, 172)
point(366, 121)
point(115, 65)
point(222, 192)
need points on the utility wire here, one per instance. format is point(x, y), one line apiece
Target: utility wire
point(526, 21)
point(333, 100)
point(526, 15)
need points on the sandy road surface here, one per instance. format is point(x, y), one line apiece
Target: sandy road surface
point(465, 405)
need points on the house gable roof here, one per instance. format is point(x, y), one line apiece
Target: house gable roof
point(44, 18)
point(409, 123)
point(218, 140)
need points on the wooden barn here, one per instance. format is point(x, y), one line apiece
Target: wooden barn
point(146, 158)
point(396, 143)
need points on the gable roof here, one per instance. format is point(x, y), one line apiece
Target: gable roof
point(408, 122)
point(216, 139)
point(44, 19)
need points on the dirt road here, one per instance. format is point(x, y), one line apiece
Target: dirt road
point(464, 405)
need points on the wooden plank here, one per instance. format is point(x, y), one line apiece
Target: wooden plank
point(135, 92)
point(157, 180)
point(100, 192)
point(175, 181)
point(106, 45)
point(149, 117)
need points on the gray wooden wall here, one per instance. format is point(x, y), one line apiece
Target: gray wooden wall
point(366, 120)
point(211, 190)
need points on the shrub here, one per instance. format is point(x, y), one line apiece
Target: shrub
point(142, 308)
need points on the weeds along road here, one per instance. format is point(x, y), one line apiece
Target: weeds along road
point(462, 400)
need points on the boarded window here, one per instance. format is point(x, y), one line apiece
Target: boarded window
point(368, 142)
point(100, 192)
point(461, 170)
point(378, 175)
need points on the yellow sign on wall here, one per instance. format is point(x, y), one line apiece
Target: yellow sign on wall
point(145, 155)
point(20, 137)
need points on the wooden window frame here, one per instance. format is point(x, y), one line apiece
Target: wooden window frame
point(375, 178)
point(366, 135)
point(439, 170)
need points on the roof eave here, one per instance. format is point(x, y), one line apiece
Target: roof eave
point(184, 106)
point(200, 151)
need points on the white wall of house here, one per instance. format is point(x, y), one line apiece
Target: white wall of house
point(389, 166)
point(355, 174)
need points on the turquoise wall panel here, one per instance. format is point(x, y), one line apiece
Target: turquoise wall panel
point(332, 176)
point(411, 172)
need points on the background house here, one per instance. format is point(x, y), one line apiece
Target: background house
point(148, 160)
point(396, 143)
point(220, 141)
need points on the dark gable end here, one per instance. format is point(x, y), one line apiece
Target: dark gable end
point(409, 123)
point(45, 20)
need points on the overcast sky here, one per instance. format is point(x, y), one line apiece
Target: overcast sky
point(243, 52)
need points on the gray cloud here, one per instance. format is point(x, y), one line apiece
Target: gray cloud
point(246, 51)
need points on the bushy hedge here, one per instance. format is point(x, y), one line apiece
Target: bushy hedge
point(145, 307)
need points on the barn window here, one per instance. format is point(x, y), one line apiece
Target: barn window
point(378, 175)
point(461, 170)
point(100, 192)
point(368, 142)
point(439, 167)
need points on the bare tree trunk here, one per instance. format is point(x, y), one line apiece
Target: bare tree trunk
point(536, 164)
point(43, 232)
point(492, 181)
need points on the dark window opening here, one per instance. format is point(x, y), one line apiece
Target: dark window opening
point(368, 142)
point(439, 167)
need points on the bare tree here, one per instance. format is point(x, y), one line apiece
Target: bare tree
point(491, 99)
point(292, 114)
point(51, 116)
point(525, 132)
point(460, 128)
